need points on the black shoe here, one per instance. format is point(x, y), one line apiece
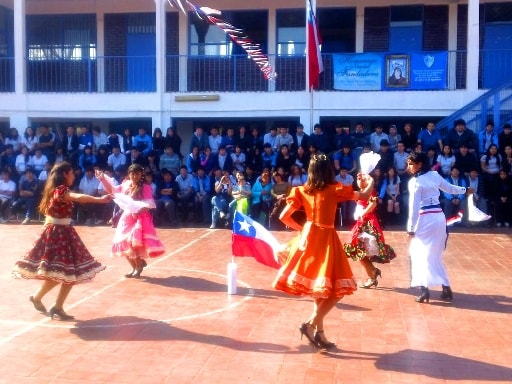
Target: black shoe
point(425, 295)
point(306, 330)
point(447, 294)
point(59, 314)
point(321, 343)
point(37, 305)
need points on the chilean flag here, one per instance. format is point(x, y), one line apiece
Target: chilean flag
point(314, 56)
point(250, 238)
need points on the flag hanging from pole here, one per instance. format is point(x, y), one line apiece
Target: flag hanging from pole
point(251, 239)
point(314, 56)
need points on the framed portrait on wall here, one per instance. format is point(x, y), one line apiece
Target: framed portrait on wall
point(398, 70)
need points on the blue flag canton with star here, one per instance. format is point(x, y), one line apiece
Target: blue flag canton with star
point(242, 225)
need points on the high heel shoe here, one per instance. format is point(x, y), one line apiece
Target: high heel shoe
point(37, 305)
point(447, 294)
point(305, 330)
point(425, 295)
point(59, 314)
point(372, 282)
point(321, 343)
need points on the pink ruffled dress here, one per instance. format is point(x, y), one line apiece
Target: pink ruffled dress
point(135, 234)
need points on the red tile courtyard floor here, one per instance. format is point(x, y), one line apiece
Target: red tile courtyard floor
point(177, 324)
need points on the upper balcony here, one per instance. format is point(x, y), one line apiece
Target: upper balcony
point(69, 72)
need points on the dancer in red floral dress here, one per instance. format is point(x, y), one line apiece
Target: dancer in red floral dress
point(58, 255)
point(366, 242)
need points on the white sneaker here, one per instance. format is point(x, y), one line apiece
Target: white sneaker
point(222, 215)
point(507, 225)
point(26, 221)
point(498, 225)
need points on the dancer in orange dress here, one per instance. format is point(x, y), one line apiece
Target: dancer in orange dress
point(316, 265)
point(136, 237)
point(59, 256)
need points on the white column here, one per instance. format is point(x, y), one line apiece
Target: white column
point(271, 41)
point(19, 46)
point(183, 50)
point(162, 117)
point(452, 45)
point(473, 45)
point(359, 28)
point(100, 48)
point(160, 46)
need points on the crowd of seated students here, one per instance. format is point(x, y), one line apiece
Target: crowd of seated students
point(227, 170)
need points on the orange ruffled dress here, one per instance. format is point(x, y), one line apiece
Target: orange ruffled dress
point(316, 264)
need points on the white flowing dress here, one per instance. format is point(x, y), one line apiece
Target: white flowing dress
point(427, 221)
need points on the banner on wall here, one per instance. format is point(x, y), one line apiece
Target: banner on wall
point(429, 70)
point(357, 72)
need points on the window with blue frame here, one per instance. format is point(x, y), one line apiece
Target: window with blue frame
point(406, 29)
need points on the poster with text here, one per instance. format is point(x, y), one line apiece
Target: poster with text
point(429, 70)
point(357, 72)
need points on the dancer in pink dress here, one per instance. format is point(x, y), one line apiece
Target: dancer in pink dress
point(136, 237)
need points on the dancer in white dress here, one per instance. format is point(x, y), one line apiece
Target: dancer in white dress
point(426, 226)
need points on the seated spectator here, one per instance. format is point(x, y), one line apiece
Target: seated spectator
point(38, 161)
point(22, 161)
point(491, 163)
point(89, 186)
point(7, 191)
point(279, 192)
point(86, 159)
point(208, 161)
point(445, 161)
point(241, 194)
point(193, 160)
point(285, 160)
point(238, 158)
point(261, 198)
point(136, 157)
point(102, 156)
point(220, 201)
point(269, 158)
point(503, 200)
point(452, 204)
point(475, 181)
point(117, 158)
point(202, 198)
point(167, 194)
point(464, 161)
point(143, 142)
point(344, 158)
point(400, 164)
point(8, 159)
point(486, 138)
point(296, 177)
point(28, 195)
point(153, 163)
point(387, 158)
point(43, 176)
point(346, 207)
point(224, 161)
point(170, 161)
point(106, 211)
point(393, 200)
point(185, 194)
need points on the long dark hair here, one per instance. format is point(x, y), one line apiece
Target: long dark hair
point(136, 191)
point(55, 178)
point(497, 155)
point(320, 173)
point(420, 157)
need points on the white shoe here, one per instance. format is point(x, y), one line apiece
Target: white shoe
point(222, 215)
point(3, 221)
point(507, 225)
point(498, 225)
point(26, 221)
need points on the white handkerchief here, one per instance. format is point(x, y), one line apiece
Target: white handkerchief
point(368, 162)
point(127, 204)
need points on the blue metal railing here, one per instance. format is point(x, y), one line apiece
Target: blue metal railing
point(7, 74)
point(494, 105)
point(235, 73)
